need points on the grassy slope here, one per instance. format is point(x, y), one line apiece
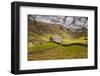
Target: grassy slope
point(42, 47)
point(54, 51)
point(39, 47)
point(70, 41)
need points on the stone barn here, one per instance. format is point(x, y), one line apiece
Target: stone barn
point(56, 39)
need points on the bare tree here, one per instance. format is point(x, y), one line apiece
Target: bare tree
point(77, 23)
point(83, 24)
point(32, 19)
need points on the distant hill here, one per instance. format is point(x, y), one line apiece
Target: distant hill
point(46, 28)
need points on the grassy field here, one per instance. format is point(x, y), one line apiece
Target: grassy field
point(70, 41)
point(52, 51)
point(40, 47)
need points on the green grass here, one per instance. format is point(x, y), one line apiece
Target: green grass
point(70, 41)
point(52, 51)
point(75, 51)
point(40, 47)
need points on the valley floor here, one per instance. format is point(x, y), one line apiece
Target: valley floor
point(52, 51)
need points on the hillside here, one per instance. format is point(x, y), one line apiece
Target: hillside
point(41, 48)
point(41, 32)
point(46, 28)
